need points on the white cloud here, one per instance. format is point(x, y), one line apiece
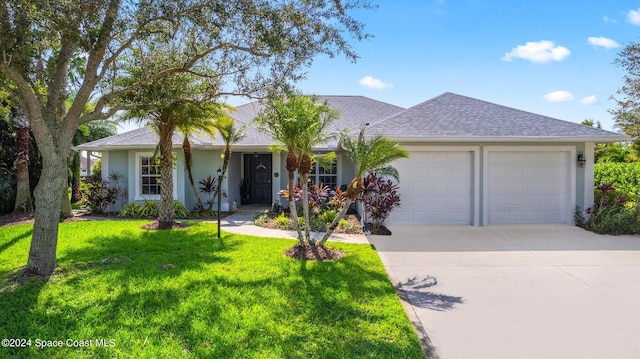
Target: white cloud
point(607, 19)
point(559, 96)
point(634, 16)
point(603, 42)
point(589, 100)
point(538, 52)
point(374, 83)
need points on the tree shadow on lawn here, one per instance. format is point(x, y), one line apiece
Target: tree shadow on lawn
point(16, 239)
point(120, 287)
point(113, 282)
point(369, 310)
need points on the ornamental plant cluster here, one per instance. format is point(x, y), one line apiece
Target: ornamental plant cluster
point(324, 204)
point(615, 209)
point(380, 197)
point(611, 213)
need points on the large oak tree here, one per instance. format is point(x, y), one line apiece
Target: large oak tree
point(247, 45)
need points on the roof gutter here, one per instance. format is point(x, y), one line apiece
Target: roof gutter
point(599, 139)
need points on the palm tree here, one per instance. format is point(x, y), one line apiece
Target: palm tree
point(23, 191)
point(367, 155)
point(230, 134)
point(280, 120)
point(314, 119)
point(187, 116)
point(203, 119)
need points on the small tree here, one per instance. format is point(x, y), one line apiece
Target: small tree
point(297, 123)
point(367, 155)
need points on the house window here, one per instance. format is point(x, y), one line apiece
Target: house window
point(326, 176)
point(149, 176)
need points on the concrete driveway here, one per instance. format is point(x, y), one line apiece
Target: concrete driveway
point(519, 291)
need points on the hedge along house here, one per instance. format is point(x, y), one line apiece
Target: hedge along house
point(471, 162)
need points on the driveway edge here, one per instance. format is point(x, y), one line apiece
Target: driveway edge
point(427, 347)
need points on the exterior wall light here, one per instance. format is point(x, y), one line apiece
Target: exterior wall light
point(581, 160)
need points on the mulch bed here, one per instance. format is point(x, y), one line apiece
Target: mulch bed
point(382, 231)
point(353, 219)
point(313, 251)
point(14, 219)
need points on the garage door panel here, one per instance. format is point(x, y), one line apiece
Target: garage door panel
point(436, 187)
point(527, 187)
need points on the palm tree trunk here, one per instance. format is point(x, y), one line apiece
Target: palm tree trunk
point(336, 220)
point(225, 163)
point(293, 213)
point(305, 206)
point(186, 148)
point(165, 210)
point(23, 190)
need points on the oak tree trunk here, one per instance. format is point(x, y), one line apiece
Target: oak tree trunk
point(42, 253)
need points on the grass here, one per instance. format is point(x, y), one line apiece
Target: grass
point(187, 294)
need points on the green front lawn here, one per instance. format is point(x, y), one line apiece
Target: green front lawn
point(186, 293)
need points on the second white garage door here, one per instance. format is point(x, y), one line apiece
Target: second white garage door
point(436, 187)
point(527, 187)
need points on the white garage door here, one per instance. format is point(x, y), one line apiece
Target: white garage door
point(436, 187)
point(527, 187)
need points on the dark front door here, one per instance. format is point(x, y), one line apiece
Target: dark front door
point(257, 169)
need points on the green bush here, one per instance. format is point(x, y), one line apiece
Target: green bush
point(130, 210)
point(179, 210)
point(611, 213)
point(149, 209)
point(625, 177)
point(329, 215)
point(283, 221)
point(615, 220)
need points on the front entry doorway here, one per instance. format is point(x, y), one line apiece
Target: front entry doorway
point(257, 170)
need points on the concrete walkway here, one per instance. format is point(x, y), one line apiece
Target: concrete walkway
point(528, 291)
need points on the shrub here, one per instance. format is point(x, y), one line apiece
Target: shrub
point(179, 210)
point(149, 209)
point(208, 186)
point(283, 221)
point(97, 196)
point(380, 197)
point(625, 177)
point(611, 214)
point(318, 196)
point(130, 210)
point(329, 215)
point(349, 227)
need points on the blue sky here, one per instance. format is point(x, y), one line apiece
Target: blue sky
point(548, 57)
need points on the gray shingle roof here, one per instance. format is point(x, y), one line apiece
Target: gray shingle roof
point(454, 117)
point(354, 111)
point(448, 117)
point(141, 137)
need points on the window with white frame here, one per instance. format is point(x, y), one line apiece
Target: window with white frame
point(149, 176)
point(326, 176)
